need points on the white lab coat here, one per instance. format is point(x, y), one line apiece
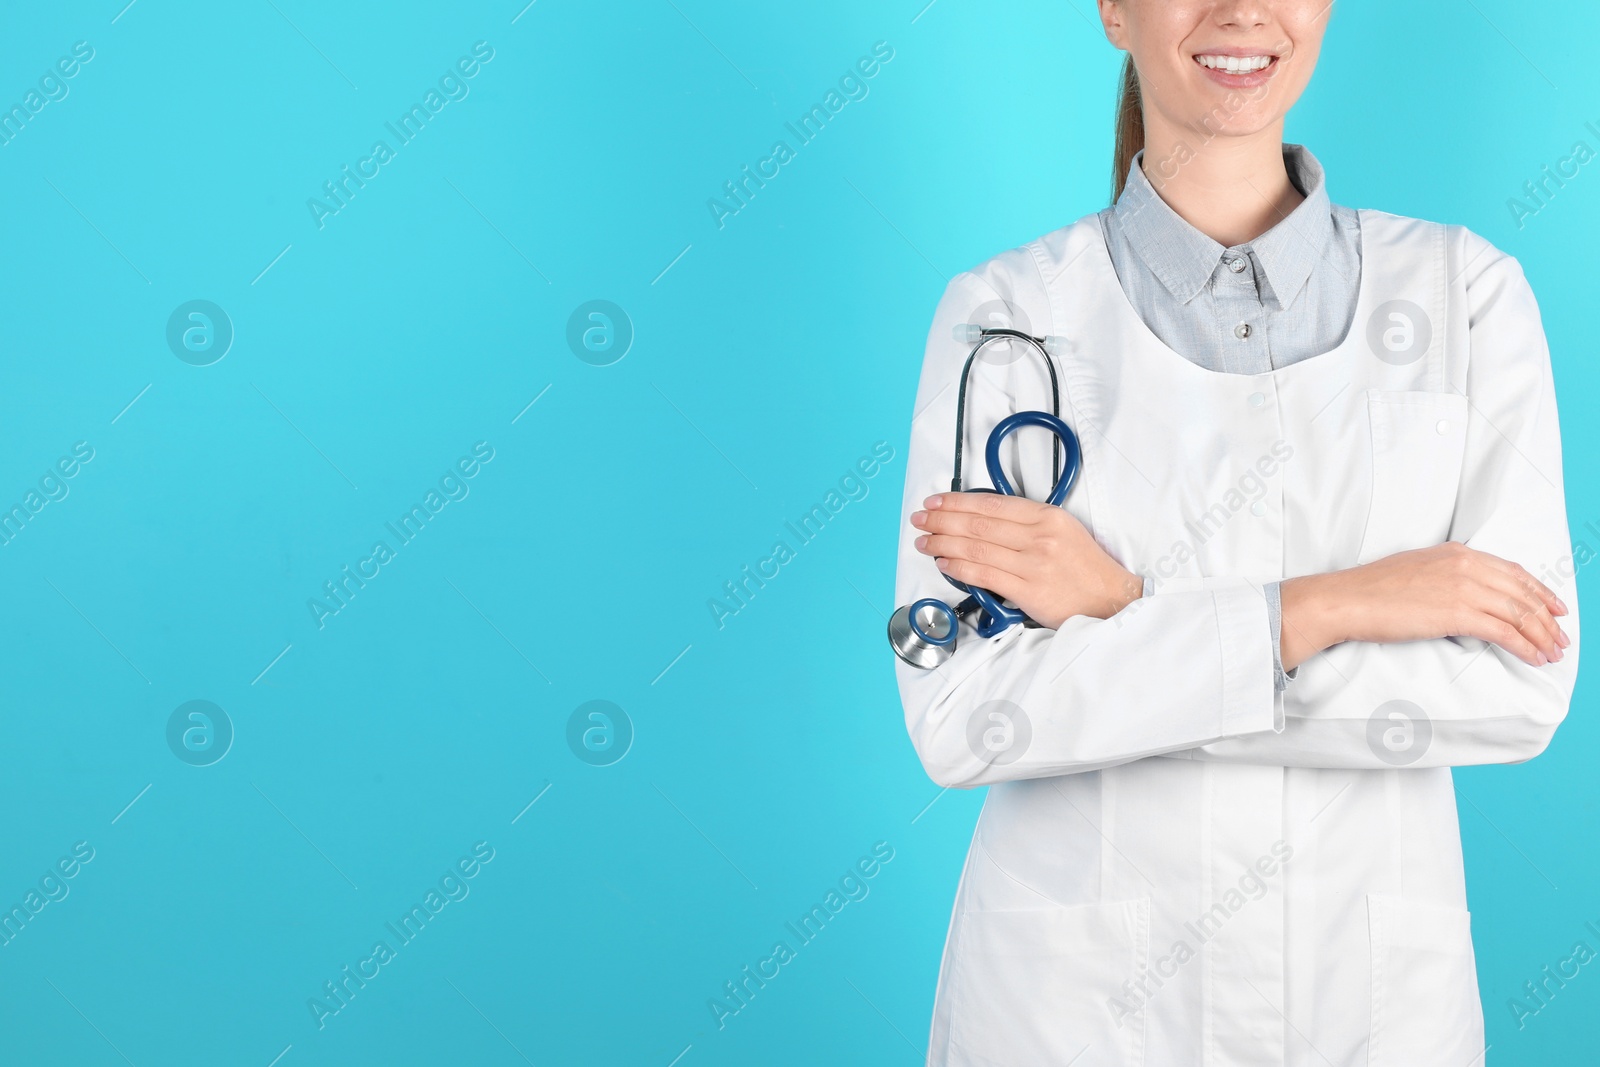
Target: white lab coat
point(1176, 864)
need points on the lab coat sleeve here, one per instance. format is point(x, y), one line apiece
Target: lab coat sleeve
point(1456, 701)
point(1181, 668)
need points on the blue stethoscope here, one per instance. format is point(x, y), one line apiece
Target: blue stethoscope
point(923, 633)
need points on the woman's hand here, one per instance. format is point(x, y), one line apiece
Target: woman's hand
point(1038, 556)
point(1448, 590)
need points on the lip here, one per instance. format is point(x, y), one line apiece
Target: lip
point(1243, 80)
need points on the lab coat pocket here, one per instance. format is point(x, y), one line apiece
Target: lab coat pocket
point(1418, 442)
point(1038, 985)
point(1425, 1007)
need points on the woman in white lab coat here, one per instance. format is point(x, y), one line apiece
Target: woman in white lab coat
point(1276, 608)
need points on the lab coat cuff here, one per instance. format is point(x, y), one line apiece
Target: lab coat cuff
point(1280, 680)
point(1249, 702)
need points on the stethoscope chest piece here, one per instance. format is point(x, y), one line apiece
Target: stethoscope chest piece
point(923, 633)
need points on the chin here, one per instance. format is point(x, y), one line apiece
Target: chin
point(1219, 121)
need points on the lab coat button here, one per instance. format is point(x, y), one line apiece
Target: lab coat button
point(1258, 508)
point(1256, 400)
point(1443, 427)
point(1242, 331)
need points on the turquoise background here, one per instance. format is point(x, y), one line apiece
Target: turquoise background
point(767, 756)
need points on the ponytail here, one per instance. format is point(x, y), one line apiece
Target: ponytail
point(1130, 127)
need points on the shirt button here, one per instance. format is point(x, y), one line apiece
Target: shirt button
point(1236, 265)
point(1443, 427)
point(1258, 508)
point(1242, 331)
point(1256, 400)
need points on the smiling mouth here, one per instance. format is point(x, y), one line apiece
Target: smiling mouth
point(1239, 71)
point(1238, 65)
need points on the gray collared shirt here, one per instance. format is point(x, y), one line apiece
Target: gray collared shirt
point(1288, 295)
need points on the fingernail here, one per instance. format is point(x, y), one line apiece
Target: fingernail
point(922, 542)
point(933, 502)
point(918, 518)
point(1562, 604)
point(1562, 638)
point(942, 563)
point(1540, 656)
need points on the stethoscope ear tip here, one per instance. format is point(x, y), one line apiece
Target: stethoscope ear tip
point(970, 333)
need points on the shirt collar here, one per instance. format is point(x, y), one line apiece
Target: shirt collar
point(1185, 259)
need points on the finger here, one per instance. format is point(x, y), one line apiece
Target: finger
point(1497, 631)
point(1522, 605)
point(970, 549)
point(1013, 508)
point(1001, 583)
point(983, 527)
point(1521, 574)
point(1514, 613)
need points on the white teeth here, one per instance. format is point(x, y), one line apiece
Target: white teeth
point(1235, 64)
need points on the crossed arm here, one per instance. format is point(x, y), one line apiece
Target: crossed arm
point(1461, 630)
point(1042, 559)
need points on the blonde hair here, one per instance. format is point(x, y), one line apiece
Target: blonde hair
point(1130, 127)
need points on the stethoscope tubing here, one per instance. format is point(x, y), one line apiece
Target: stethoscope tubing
point(997, 617)
point(991, 335)
point(911, 641)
